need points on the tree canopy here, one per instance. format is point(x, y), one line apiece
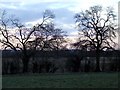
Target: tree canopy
point(96, 28)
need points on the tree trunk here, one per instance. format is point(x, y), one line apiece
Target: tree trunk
point(25, 64)
point(97, 61)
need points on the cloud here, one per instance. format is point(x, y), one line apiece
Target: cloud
point(73, 5)
point(30, 11)
point(58, 6)
point(9, 6)
point(12, 5)
point(39, 1)
point(79, 5)
point(74, 33)
point(32, 23)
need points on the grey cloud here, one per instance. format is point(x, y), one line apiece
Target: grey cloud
point(32, 12)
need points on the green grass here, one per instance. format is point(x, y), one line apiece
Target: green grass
point(74, 80)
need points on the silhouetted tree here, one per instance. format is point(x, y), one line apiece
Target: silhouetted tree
point(16, 36)
point(96, 30)
point(48, 38)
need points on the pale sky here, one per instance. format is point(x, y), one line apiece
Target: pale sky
point(30, 11)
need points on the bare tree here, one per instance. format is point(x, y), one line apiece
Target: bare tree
point(20, 36)
point(96, 30)
point(57, 39)
point(6, 36)
point(49, 38)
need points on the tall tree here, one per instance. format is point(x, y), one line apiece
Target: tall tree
point(16, 36)
point(96, 29)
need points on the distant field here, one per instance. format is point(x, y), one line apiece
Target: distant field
point(74, 80)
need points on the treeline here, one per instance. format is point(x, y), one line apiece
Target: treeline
point(65, 61)
point(97, 32)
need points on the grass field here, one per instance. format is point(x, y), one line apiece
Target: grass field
point(74, 80)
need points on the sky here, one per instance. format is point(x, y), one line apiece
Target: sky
point(30, 11)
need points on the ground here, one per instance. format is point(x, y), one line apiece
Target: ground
point(68, 80)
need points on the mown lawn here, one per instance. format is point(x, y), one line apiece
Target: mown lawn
point(74, 80)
